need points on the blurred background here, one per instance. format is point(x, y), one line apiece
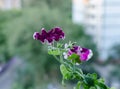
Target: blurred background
point(24, 62)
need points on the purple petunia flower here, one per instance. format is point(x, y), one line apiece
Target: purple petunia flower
point(54, 34)
point(58, 33)
point(84, 53)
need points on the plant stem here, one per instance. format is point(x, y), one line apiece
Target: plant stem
point(56, 58)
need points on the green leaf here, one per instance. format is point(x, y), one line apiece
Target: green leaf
point(78, 85)
point(102, 85)
point(66, 74)
point(85, 86)
point(93, 75)
point(54, 52)
point(75, 58)
point(59, 45)
point(101, 80)
point(79, 70)
point(89, 81)
point(92, 88)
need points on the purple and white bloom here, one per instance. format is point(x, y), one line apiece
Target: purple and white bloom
point(84, 53)
point(54, 34)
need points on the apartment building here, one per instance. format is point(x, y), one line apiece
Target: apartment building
point(10, 4)
point(101, 19)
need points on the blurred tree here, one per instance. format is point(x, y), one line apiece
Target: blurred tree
point(4, 18)
point(63, 6)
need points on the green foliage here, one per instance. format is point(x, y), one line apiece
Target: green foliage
point(54, 51)
point(75, 58)
point(70, 71)
point(65, 72)
point(5, 17)
point(89, 81)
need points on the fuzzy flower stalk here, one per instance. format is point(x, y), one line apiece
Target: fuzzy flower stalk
point(70, 55)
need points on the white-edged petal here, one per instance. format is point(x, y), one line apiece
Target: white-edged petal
point(90, 54)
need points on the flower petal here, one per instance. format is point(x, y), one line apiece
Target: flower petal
point(36, 36)
point(84, 53)
point(54, 34)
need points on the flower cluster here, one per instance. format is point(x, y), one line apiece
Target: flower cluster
point(73, 55)
point(83, 53)
point(54, 34)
